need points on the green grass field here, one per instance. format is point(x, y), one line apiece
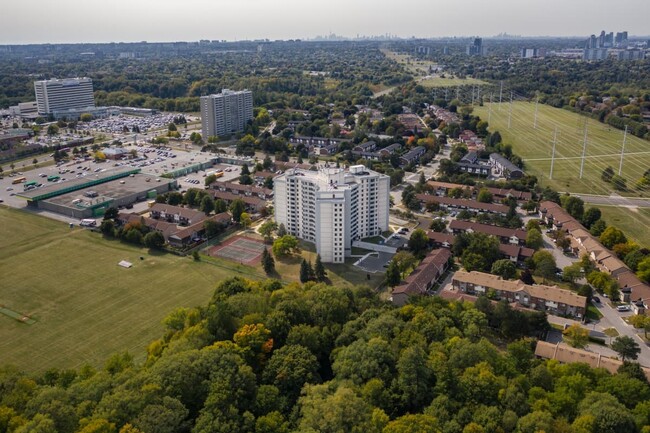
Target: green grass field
point(634, 223)
point(87, 307)
point(535, 146)
point(439, 82)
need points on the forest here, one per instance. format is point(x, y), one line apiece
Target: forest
point(262, 357)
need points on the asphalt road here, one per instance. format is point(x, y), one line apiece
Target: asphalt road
point(615, 200)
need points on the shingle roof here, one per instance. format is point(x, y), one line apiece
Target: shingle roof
point(549, 293)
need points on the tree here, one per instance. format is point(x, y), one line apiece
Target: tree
point(481, 251)
point(484, 196)
point(210, 179)
point(174, 198)
point(405, 261)
point(612, 236)
point(154, 239)
point(319, 269)
point(220, 206)
point(572, 273)
point(619, 182)
point(534, 239)
point(107, 227)
point(111, 213)
point(643, 270)
point(575, 206)
point(284, 245)
point(212, 228)
point(607, 174)
point(438, 225)
point(504, 268)
point(626, 347)
point(237, 207)
point(267, 229)
point(641, 321)
point(306, 271)
point(393, 275)
point(592, 215)
point(268, 262)
point(207, 205)
point(576, 336)
point(245, 220)
point(53, 129)
point(598, 227)
point(418, 242)
point(172, 127)
point(282, 230)
point(289, 368)
point(544, 264)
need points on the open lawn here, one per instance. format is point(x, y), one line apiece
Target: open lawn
point(438, 81)
point(633, 222)
point(85, 305)
point(535, 146)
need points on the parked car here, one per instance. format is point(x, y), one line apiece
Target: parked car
point(623, 308)
point(596, 299)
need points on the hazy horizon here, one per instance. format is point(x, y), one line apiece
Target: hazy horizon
point(72, 21)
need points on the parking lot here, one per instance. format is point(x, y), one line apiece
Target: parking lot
point(124, 123)
point(150, 160)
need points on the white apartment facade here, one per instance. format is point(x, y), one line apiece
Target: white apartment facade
point(63, 95)
point(226, 113)
point(332, 207)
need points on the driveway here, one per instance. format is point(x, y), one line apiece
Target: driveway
point(615, 319)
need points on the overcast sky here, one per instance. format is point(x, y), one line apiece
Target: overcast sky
point(55, 21)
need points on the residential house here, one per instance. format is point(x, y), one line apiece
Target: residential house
point(253, 204)
point(550, 299)
point(175, 214)
point(504, 167)
point(368, 146)
point(412, 156)
point(504, 234)
point(247, 190)
point(470, 205)
point(423, 277)
point(389, 150)
point(567, 354)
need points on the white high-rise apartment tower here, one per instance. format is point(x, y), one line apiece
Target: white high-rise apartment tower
point(59, 95)
point(332, 207)
point(226, 113)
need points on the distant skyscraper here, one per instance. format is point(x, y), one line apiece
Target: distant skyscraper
point(59, 96)
point(477, 48)
point(226, 113)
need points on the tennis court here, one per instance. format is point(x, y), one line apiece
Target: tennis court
point(239, 249)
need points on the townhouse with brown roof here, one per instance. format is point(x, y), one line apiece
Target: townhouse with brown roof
point(175, 214)
point(470, 205)
point(253, 204)
point(176, 235)
point(443, 188)
point(515, 253)
point(567, 354)
point(423, 277)
point(247, 190)
point(504, 234)
point(550, 299)
point(632, 289)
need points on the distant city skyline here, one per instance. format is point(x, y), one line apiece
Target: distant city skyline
point(73, 21)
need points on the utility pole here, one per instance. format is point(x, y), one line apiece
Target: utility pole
point(620, 164)
point(510, 112)
point(478, 94)
point(550, 176)
point(536, 107)
point(472, 95)
point(500, 95)
point(446, 94)
point(457, 89)
point(490, 109)
point(584, 151)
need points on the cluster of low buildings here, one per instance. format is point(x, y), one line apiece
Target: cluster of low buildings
point(179, 226)
point(633, 290)
point(473, 206)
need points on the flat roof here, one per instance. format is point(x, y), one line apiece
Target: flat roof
point(91, 179)
point(108, 191)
